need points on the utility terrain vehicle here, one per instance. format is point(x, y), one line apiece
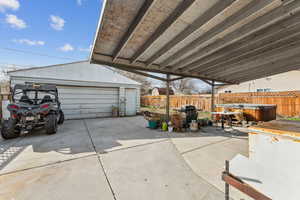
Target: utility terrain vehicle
point(33, 106)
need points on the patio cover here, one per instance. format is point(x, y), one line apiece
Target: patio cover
point(229, 41)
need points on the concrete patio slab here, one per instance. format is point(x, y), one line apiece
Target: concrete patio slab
point(38, 149)
point(118, 133)
point(186, 142)
point(77, 179)
point(154, 171)
point(139, 163)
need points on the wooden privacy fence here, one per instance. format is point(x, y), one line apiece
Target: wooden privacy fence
point(177, 101)
point(288, 103)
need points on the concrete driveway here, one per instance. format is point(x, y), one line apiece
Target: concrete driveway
point(117, 159)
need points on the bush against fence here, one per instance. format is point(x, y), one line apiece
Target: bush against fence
point(288, 103)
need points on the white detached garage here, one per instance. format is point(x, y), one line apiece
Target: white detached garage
point(85, 90)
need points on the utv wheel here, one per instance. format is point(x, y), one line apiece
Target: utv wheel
point(51, 124)
point(61, 118)
point(8, 129)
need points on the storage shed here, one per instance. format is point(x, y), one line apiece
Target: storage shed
point(85, 90)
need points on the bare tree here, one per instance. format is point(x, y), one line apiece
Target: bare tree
point(4, 69)
point(184, 86)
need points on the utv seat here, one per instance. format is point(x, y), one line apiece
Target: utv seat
point(46, 99)
point(25, 99)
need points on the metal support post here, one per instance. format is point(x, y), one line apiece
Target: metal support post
point(212, 109)
point(168, 97)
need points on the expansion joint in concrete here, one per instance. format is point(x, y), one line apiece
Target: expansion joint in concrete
point(99, 159)
point(47, 165)
point(204, 146)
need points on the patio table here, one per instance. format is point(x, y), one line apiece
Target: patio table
point(225, 116)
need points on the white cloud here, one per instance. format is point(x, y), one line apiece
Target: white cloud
point(79, 2)
point(15, 22)
point(30, 42)
point(9, 4)
point(57, 22)
point(67, 47)
point(86, 49)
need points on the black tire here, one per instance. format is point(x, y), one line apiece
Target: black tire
point(8, 129)
point(51, 124)
point(61, 118)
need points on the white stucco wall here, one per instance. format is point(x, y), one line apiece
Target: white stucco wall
point(288, 81)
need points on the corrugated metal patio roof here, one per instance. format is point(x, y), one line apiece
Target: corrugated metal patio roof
point(230, 41)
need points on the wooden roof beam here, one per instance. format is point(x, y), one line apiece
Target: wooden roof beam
point(271, 66)
point(295, 66)
point(291, 48)
point(245, 12)
point(200, 21)
point(176, 79)
point(256, 54)
point(179, 10)
point(264, 37)
point(142, 13)
point(140, 73)
point(207, 82)
point(264, 21)
point(99, 58)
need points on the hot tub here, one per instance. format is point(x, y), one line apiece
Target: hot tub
point(252, 112)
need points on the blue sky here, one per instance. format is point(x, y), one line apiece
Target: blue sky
point(59, 28)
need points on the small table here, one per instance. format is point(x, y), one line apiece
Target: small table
point(225, 115)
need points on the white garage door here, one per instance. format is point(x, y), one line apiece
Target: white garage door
point(87, 102)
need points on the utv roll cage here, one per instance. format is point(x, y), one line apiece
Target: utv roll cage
point(36, 88)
